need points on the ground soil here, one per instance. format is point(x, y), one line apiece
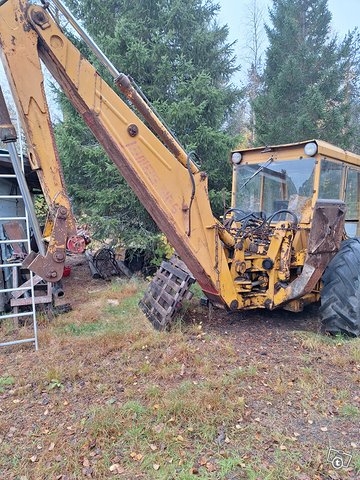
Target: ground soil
point(260, 395)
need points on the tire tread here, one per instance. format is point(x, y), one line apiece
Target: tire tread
point(340, 295)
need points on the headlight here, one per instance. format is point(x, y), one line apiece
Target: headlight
point(310, 149)
point(236, 158)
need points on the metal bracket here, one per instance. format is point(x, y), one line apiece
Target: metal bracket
point(324, 242)
point(51, 266)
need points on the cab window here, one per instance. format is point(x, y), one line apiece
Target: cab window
point(352, 198)
point(331, 174)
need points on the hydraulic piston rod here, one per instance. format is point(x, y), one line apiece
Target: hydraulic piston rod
point(125, 85)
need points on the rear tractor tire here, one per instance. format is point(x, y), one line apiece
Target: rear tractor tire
point(340, 295)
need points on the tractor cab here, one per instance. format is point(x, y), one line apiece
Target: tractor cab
point(286, 181)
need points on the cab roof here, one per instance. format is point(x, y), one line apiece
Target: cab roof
point(324, 149)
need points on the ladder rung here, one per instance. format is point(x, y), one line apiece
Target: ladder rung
point(4, 219)
point(17, 289)
point(7, 175)
point(16, 315)
point(22, 240)
point(17, 342)
point(10, 196)
point(8, 265)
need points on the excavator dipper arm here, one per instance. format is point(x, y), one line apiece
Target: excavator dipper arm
point(174, 193)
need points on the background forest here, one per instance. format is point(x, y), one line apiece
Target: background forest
point(303, 85)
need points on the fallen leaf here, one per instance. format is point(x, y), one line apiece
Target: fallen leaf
point(158, 428)
point(353, 444)
point(210, 467)
point(194, 471)
point(203, 461)
point(136, 456)
point(51, 446)
point(156, 466)
point(283, 448)
point(33, 458)
point(179, 438)
point(324, 429)
point(153, 447)
point(116, 468)
point(86, 462)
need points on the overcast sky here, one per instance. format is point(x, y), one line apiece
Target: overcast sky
point(346, 16)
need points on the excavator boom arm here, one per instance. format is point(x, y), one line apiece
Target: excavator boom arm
point(174, 192)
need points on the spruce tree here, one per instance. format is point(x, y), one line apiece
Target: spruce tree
point(183, 62)
point(304, 84)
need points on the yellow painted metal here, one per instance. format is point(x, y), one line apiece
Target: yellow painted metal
point(296, 150)
point(22, 66)
point(287, 249)
point(161, 182)
point(228, 270)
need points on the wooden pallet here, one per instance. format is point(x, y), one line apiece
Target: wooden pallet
point(166, 291)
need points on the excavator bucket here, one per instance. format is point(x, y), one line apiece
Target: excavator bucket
point(166, 292)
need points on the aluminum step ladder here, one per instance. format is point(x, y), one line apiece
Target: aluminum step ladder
point(9, 137)
point(12, 270)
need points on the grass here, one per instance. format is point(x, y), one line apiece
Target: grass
point(105, 389)
point(5, 382)
point(317, 342)
point(349, 410)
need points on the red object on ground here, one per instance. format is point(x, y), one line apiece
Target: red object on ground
point(67, 271)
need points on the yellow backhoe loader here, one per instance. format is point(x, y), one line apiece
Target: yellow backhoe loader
point(278, 246)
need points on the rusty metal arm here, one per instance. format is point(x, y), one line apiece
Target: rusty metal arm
point(130, 90)
point(22, 67)
point(156, 175)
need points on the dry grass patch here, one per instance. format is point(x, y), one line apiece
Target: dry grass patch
point(106, 389)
